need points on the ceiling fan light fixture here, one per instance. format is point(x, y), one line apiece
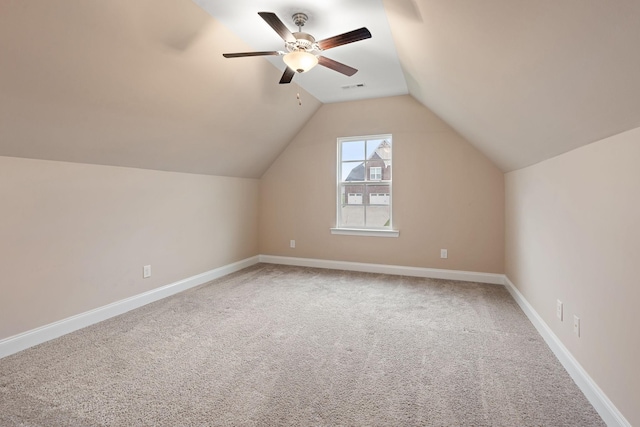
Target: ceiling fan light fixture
point(300, 61)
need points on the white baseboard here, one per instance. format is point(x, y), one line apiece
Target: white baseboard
point(602, 404)
point(607, 410)
point(48, 332)
point(433, 273)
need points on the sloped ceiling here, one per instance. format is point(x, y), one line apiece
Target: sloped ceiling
point(143, 84)
point(139, 84)
point(523, 80)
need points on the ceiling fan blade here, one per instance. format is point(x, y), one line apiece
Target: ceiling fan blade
point(243, 54)
point(336, 66)
point(278, 26)
point(350, 37)
point(287, 76)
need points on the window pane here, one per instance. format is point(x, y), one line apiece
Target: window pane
point(385, 169)
point(352, 216)
point(378, 195)
point(352, 171)
point(353, 150)
point(379, 147)
point(378, 216)
point(353, 194)
point(376, 168)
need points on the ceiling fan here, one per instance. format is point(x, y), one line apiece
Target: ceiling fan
point(303, 51)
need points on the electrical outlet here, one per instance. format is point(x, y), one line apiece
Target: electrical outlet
point(292, 244)
point(559, 310)
point(576, 325)
point(444, 253)
point(146, 271)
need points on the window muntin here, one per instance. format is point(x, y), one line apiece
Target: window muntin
point(364, 182)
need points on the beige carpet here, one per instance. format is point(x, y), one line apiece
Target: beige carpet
point(276, 345)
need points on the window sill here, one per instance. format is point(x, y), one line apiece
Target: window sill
point(365, 232)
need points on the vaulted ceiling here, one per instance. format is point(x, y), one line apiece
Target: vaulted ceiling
point(143, 83)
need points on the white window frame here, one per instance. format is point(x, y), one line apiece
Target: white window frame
point(366, 231)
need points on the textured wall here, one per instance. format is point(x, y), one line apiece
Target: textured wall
point(573, 233)
point(445, 193)
point(74, 237)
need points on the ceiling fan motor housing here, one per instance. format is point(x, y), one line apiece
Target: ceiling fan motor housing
point(304, 42)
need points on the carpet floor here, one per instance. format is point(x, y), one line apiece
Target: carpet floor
point(291, 346)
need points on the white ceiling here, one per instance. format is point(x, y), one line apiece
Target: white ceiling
point(143, 83)
point(376, 58)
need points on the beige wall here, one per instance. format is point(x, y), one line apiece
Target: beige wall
point(445, 193)
point(74, 237)
point(573, 233)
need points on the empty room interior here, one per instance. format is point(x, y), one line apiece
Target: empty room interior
point(436, 221)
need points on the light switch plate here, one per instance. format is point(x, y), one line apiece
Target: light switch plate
point(559, 310)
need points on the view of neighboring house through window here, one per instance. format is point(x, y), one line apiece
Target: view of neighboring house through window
point(364, 181)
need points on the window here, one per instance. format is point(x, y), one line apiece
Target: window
point(364, 185)
point(375, 173)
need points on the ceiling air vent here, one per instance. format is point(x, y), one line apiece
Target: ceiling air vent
point(355, 86)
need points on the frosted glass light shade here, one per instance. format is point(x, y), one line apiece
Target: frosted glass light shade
point(300, 61)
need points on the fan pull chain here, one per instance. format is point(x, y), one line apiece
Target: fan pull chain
point(298, 96)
